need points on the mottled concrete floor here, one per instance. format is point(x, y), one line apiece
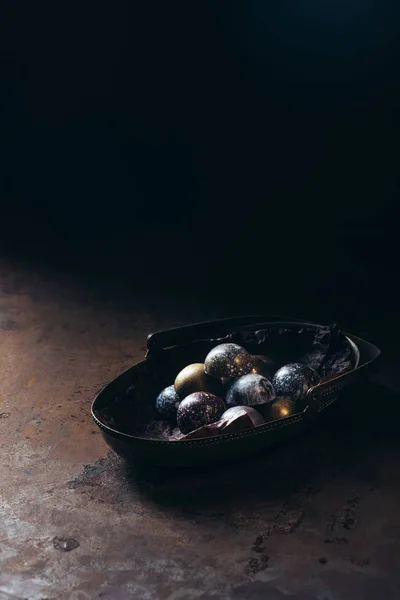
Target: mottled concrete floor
point(317, 518)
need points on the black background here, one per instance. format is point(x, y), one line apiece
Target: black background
point(239, 151)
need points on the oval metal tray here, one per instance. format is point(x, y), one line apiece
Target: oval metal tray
point(228, 446)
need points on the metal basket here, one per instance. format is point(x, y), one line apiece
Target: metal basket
point(227, 446)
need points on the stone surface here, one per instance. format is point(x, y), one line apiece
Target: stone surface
point(252, 530)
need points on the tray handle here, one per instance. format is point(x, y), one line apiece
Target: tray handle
point(320, 396)
point(157, 342)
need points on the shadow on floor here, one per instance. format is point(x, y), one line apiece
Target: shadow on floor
point(357, 437)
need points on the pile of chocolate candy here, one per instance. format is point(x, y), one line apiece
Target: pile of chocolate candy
point(232, 382)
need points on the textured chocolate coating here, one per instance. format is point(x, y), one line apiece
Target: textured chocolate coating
point(198, 409)
point(254, 415)
point(228, 361)
point(250, 390)
point(194, 379)
point(167, 403)
point(294, 380)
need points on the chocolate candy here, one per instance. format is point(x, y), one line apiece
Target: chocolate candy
point(198, 409)
point(281, 408)
point(250, 390)
point(262, 365)
point(194, 379)
point(228, 361)
point(167, 403)
point(254, 415)
point(294, 380)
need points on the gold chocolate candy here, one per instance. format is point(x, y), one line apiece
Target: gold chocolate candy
point(193, 379)
point(281, 408)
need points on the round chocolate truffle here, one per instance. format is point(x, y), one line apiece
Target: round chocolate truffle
point(262, 365)
point(167, 403)
point(281, 408)
point(250, 390)
point(254, 415)
point(227, 361)
point(294, 380)
point(198, 409)
point(194, 379)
